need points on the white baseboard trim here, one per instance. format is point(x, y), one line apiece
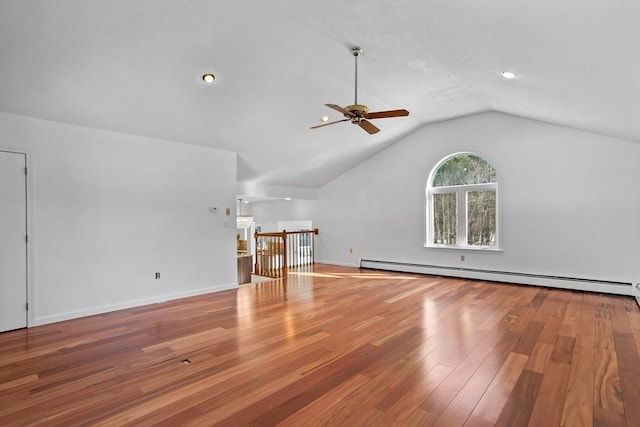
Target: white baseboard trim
point(609, 287)
point(43, 320)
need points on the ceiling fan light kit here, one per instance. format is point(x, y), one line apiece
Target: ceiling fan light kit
point(359, 114)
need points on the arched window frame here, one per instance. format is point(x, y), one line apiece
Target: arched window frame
point(461, 197)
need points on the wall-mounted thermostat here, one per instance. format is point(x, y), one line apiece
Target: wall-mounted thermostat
point(213, 209)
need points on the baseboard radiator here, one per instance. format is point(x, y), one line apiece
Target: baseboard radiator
point(604, 286)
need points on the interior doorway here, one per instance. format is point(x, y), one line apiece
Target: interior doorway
point(13, 240)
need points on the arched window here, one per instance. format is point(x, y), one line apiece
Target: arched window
point(462, 203)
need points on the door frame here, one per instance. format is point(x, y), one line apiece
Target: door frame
point(28, 182)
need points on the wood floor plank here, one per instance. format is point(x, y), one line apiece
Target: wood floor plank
point(634, 321)
point(369, 393)
point(572, 314)
point(619, 316)
point(496, 395)
point(547, 410)
point(551, 329)
point(335, 345)
point(364, 416)
point(517, 410)
point(418, 417)
point(18, 382)
point(563, 349)
point(539, 357)
point(578, 404)
point(607, 388)
point(605, 418)
point(449, 388)
point(586, 333)
point(461, 406)
point(406, 404)
point(631, 395)
point(313, 413)
point(628, 358)
point(604, 334)
point(528, 338)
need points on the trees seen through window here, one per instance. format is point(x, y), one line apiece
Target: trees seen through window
point(462, 203)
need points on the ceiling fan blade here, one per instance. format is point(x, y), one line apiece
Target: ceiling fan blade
point(347, 113)
point(329, 123)
point(385, 114)
point(368, 126)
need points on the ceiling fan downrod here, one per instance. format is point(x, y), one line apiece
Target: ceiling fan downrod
point(356, 51)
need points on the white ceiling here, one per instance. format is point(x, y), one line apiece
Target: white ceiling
point(135, 67)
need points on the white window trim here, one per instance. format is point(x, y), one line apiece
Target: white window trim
point(461, 202)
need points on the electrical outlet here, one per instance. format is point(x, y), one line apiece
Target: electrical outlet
point(157, 276)
point(350, 250)
point(461, 257)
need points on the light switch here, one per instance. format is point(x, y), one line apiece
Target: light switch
point(228, 211)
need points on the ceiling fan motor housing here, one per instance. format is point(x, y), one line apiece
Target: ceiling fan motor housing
point(357, 110)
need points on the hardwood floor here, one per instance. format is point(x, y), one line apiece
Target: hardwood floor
point(336, 346)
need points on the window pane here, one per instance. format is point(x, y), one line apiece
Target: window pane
point(464, 169)
point(445, 214)
point(481, 218)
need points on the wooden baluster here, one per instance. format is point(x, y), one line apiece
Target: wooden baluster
point(270, 257)
point(262, 260)
point(274, 254)
point(313, 245)
point(256, 268)
point(273, 257)
point(309, 253)
point(290, 248)
point(291, 252)
point(265, 256)
point(284, 255)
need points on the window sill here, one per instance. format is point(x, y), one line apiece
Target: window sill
point(483, 249)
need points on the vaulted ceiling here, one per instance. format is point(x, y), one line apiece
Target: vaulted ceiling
point(136, 67)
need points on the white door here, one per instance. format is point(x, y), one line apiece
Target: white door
point(13, 243)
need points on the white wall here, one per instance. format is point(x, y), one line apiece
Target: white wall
point(570, 200)
point(108, 210)
point(295, 225)
point(268, 214)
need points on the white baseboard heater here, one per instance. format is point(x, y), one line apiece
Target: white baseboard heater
point(604, 286)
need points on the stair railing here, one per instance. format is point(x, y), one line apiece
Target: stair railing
point(278, 251)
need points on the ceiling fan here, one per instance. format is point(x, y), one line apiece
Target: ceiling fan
point(359, 114)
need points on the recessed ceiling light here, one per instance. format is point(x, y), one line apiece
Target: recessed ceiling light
point(508, 74)
point(208, 78)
